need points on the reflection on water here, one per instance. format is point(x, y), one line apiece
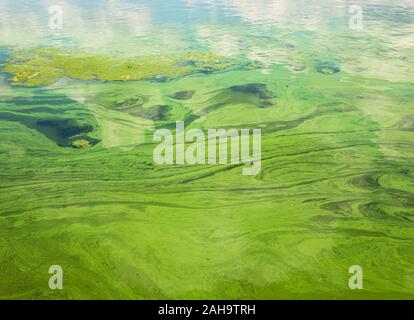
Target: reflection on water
point(260, 30)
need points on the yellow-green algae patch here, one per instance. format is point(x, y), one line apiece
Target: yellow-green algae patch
point(81, 144)
point(44, 66)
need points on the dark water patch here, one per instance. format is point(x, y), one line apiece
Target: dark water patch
point(135, 106)
point(130, 103)
point(258, 89)
point(63, 128)
point(189, 118)
point(266, 104)
point(366, 182)
point(183, 95)
point(40, 110)
point(64, 132)
point(156, 113)
point(256, 94)
point(340, 207)
point(327, 68)
point(67, 132)
point(214, 107)
point(373, 210)
point(206, 71)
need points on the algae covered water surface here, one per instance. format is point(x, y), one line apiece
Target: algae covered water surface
point(331, 86)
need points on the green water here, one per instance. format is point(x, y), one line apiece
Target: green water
point(79, 187)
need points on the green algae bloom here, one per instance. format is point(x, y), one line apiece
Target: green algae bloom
point(45, 66)
point(80, 188)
